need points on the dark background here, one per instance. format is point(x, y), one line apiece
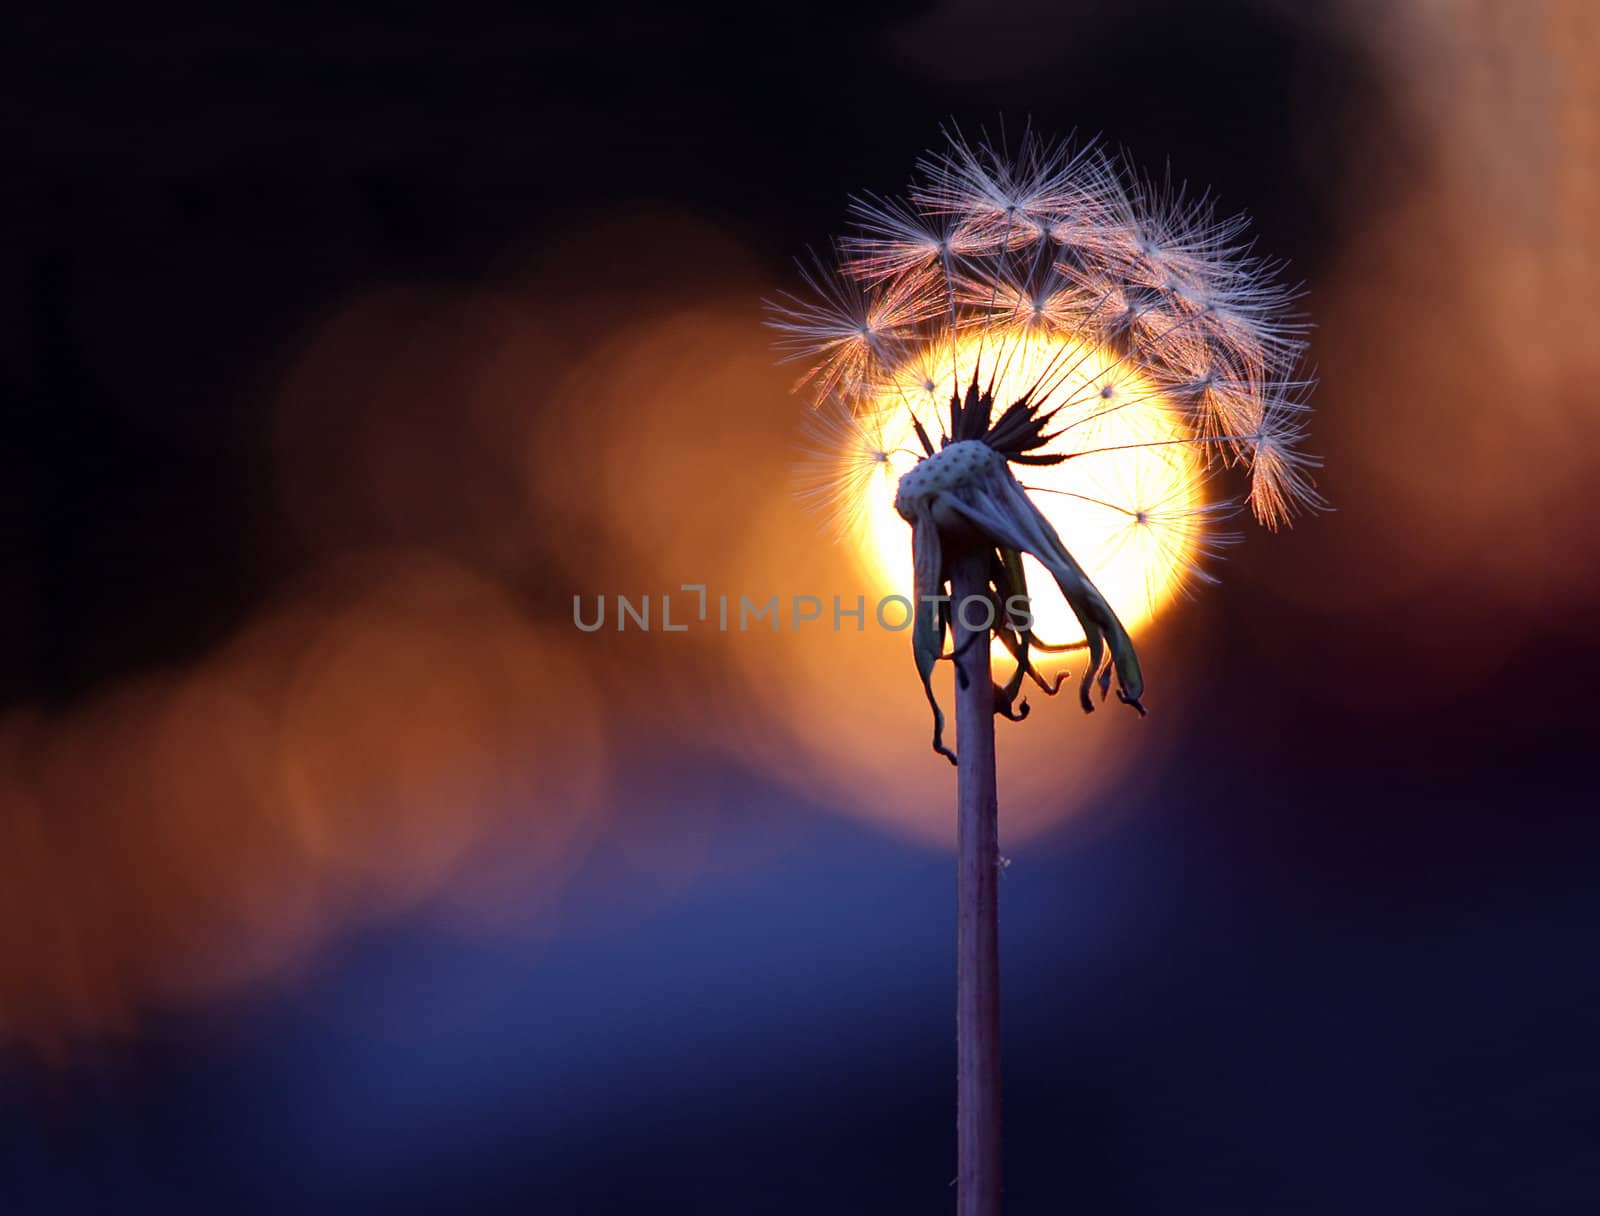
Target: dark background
point(1333, 952)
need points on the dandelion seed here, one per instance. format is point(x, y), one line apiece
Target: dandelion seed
point(846, 459)
point(893, 239)
point(1281, 481)
point(847, 328)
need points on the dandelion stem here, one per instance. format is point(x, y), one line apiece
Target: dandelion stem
point(977, 923)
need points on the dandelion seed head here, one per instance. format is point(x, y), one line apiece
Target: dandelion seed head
point(1155, 349)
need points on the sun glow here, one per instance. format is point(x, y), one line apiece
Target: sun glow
point(1128, 503)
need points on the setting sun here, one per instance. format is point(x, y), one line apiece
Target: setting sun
point(1128, 502)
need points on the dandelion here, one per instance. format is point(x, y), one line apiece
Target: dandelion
point(1037, 348)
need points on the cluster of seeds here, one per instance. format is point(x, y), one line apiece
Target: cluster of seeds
point(992, 250)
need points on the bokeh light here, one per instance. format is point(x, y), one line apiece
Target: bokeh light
point(693, 439)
